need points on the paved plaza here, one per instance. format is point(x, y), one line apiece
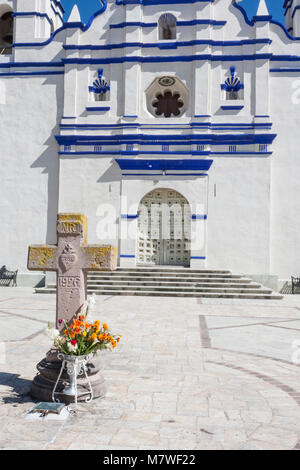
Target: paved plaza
point(189, 374)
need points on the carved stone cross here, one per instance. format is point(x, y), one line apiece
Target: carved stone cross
point(72, 258)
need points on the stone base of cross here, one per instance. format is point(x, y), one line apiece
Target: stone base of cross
point(71, 258)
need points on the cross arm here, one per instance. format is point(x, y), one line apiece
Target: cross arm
point(42, 258)
point(99, 257)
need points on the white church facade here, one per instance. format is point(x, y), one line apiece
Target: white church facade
point(173, 125)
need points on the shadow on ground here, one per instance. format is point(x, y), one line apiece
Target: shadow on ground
point(20, 388)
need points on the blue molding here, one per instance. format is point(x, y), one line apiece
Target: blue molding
point(231, 107)
point(183, 139)
point(127, 256)
point(166, 59)
point(32, 13)
point(161, 165)
point(198, 257)
point(282, 70)
point(199, 217)
point(98, 108)
point(160, 45)
point(29, 74)
point(8, 65)
point(160, 2)
point(129, 216)
point(141, 24)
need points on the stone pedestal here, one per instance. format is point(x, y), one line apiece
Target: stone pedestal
point(49, 368)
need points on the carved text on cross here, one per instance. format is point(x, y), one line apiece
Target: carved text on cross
point(72, 258)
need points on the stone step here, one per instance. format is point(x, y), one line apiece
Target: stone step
point(172, 269)
point(157, 283)
point(163, 274)
point(250, 296)
point(175, 290)
point(147, 279)
point(178, 289)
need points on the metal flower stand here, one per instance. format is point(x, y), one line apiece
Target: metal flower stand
point(75, 366)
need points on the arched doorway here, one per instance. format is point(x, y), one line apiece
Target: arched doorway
point(164, 229)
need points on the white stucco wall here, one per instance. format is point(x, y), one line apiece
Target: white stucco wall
point(253, 198)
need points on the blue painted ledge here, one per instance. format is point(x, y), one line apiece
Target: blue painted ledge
point(231, 108)
point(98, 108)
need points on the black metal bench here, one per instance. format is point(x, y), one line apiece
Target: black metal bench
point(6, 277)
point(295, 283)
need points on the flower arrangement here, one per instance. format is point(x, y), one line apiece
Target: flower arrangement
point(82, 337)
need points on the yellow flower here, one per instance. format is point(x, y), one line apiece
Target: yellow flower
point(84, 334)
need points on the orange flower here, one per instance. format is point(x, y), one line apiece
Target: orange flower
point(94, 337)
point(100, 337)
point(66, 332)
point(105, 326)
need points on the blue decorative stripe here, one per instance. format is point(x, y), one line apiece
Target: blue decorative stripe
point(282, 70)
point(29, 74)
point(129, 216)
point(127, 256)
point(200, 125)
point(149, 174)
point(160, 45)
point(160, 2)
point(198, 217)
point(165, 59)
point(154, 165)
point(198, 257)
point(231, 108)
point(140, 24)
point(59, 5)
point(33, 13)
point(8, 65)
point(99, 108)
point(189, 139)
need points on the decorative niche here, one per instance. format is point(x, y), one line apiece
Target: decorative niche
point(100, 89)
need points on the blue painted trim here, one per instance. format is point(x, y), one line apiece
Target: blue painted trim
point(141, 24)
point(162, 45)
point(129, 216)
point(127, 256)
point(33, 13)
point(231, 108)
point(129, 116)
point(198, 257)
point(200, 125)
point(189, 139)
point(198, 217)
point(149, 174)
point(282, 70)
point(154, 165)
point(98, 108)
point(59, 5)
point(69, 117)
point(160, 2)
point(29, 74)
point(166, 59)
point(8, 65)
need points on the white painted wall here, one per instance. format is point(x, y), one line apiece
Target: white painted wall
point(252, 224)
